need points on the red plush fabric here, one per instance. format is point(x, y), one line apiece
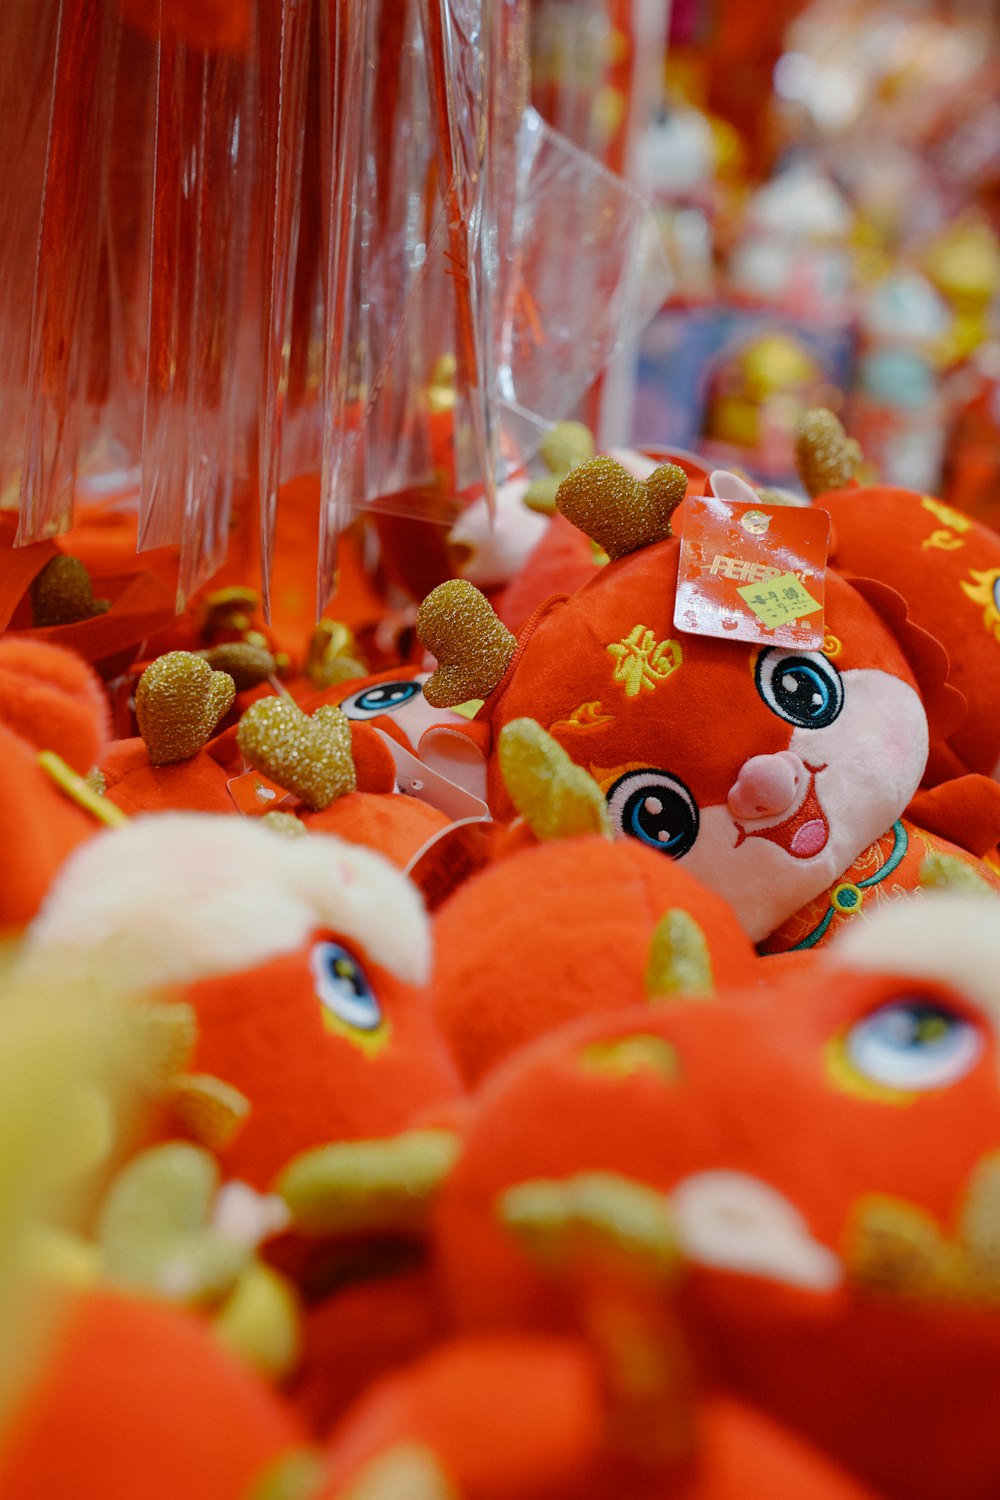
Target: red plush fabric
point(523, 1419)
point(358, 1335)
point(899, 1384)
point(947, 567)
point(706, 716)
point(505, 1417)
point(747, 1457)
point(563, 562)
point(139, 1399)
point(197, 784)
point(373, 763)
point(697, 720)
point(41, 828)
point(562, 930)
point(964, 811)
point(396, 826)
point(944, 705)
point(49, 700)
point(308, 1081)
point(54, 701)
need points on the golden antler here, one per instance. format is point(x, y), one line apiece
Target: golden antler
point(178, 703)
point(62, 594)
point(309, 755)
point(456, 623)
point(827, 458)
point(618, 512)
point(568, 444)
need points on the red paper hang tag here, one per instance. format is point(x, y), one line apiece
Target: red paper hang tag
point(255, 794)
point(752, 572)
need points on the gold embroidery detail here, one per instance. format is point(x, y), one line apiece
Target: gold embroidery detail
point(983, 590)
point(898, 1248)
point(642, 662)
point(586, 716)
point(624, 1056)
point(953, 518)
point(945, 540)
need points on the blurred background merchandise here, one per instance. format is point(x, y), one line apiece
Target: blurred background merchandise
point(331, 269)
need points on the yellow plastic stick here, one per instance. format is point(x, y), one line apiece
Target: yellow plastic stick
point(74, 786)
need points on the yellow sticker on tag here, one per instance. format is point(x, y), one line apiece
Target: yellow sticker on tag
point(780, 600)
point(752, 572)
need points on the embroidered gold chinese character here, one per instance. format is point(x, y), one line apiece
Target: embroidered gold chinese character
point(642, 662)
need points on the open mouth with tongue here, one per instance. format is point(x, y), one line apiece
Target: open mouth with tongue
point(804, 833)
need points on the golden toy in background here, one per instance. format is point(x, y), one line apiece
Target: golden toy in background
point(963, 263)
point(756, 396)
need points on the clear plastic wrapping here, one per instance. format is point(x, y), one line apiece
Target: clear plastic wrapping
point(309, 234)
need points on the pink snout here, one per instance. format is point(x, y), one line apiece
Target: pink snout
point(767, 786)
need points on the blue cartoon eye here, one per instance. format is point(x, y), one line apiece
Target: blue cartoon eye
point(381, 698)
point(803, 689)
point(655, 808)
point(914, 1043)
point(343, 987)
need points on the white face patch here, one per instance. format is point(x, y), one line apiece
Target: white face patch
point(404, 703)
point(736, 1222)
point(872, 758)
point(498, 546)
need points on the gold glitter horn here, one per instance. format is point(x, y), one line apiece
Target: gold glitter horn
point(178, 703)
point(456, 623)
point(827, 458)
point(556, 798)
point(679, 963)
point(621, 513)
point(62, 594)
point(309, 755)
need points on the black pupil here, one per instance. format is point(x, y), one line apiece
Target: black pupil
point(345, 972)
point(917, 1026)
point(801, 691)
point(388, 695)
point(660, 816)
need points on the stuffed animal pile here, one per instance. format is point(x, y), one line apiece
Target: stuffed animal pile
point(525, 1047)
